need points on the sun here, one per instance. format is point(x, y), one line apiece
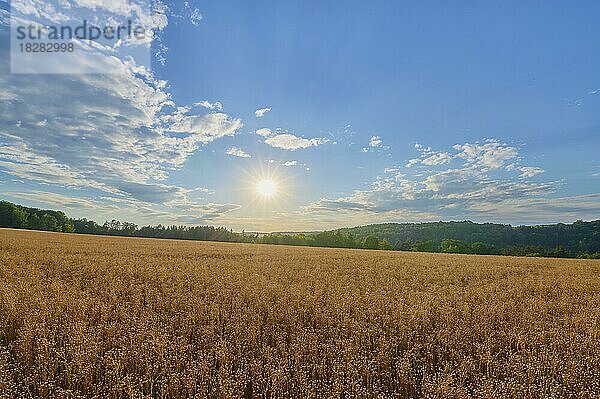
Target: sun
point(266, 188)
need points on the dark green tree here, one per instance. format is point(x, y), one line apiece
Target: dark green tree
point(371, 242)
point(454, 246)
point(49, 223)
point(12, 215)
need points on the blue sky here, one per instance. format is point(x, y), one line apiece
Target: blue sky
point(384, 112)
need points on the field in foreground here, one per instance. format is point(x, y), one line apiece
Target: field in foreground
point(121, 317)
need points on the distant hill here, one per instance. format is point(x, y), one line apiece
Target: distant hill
point(579, 237)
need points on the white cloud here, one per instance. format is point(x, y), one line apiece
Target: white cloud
point(457, 192)
point(422, 149)
point(238, 152)
point(439, 158)
point(261, 112)
point(292, 143)
point(5, 96)
point(114, 137)
point(195, 17)
point(206, 128)
point(265, 132)
point(119, 134)
point(491, 154)
point(429, 157)
point(375, 142)
point(529, 171)
point(412, 162)
point(290, 163)
point(208, 105)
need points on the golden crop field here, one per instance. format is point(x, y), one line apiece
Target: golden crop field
point(106, 317)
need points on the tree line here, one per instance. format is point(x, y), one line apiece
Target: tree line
point(580, 239)
point(334, 239)
point(20, 217)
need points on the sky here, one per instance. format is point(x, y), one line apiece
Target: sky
point(356, 112)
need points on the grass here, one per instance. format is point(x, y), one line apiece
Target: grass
point(84, 316)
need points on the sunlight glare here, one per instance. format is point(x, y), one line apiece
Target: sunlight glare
point(266, 187)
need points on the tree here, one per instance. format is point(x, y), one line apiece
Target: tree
point(385, 245)
point(129, 228)
point(68, 227)
point(49, 223)
point(454, 246)
point(34, 222)
point(12, 215)
point(422, 246)
point(481, 248)
point(559, 252)
point(84, 226)
point(371, 242)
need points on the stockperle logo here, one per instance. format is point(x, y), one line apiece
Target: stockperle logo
point(82, 36)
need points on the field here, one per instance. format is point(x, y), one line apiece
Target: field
point(84, 316)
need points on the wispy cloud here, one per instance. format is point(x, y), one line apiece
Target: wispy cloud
point(205, 128)
point(195, 15)
point(6, 96)
point(530, 171)
point(205, 213)
point(291, 142)
point(118, 135)
point(439, 158)
point(208, 105)
point(540, 210)
point(57, 200)
point(578, 102)
point(412, 162)
point(375, 144)
point(237, 152)
point(482, 174)
point(117, 129)
point(491, 154)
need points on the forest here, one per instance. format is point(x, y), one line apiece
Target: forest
point(577, 240)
